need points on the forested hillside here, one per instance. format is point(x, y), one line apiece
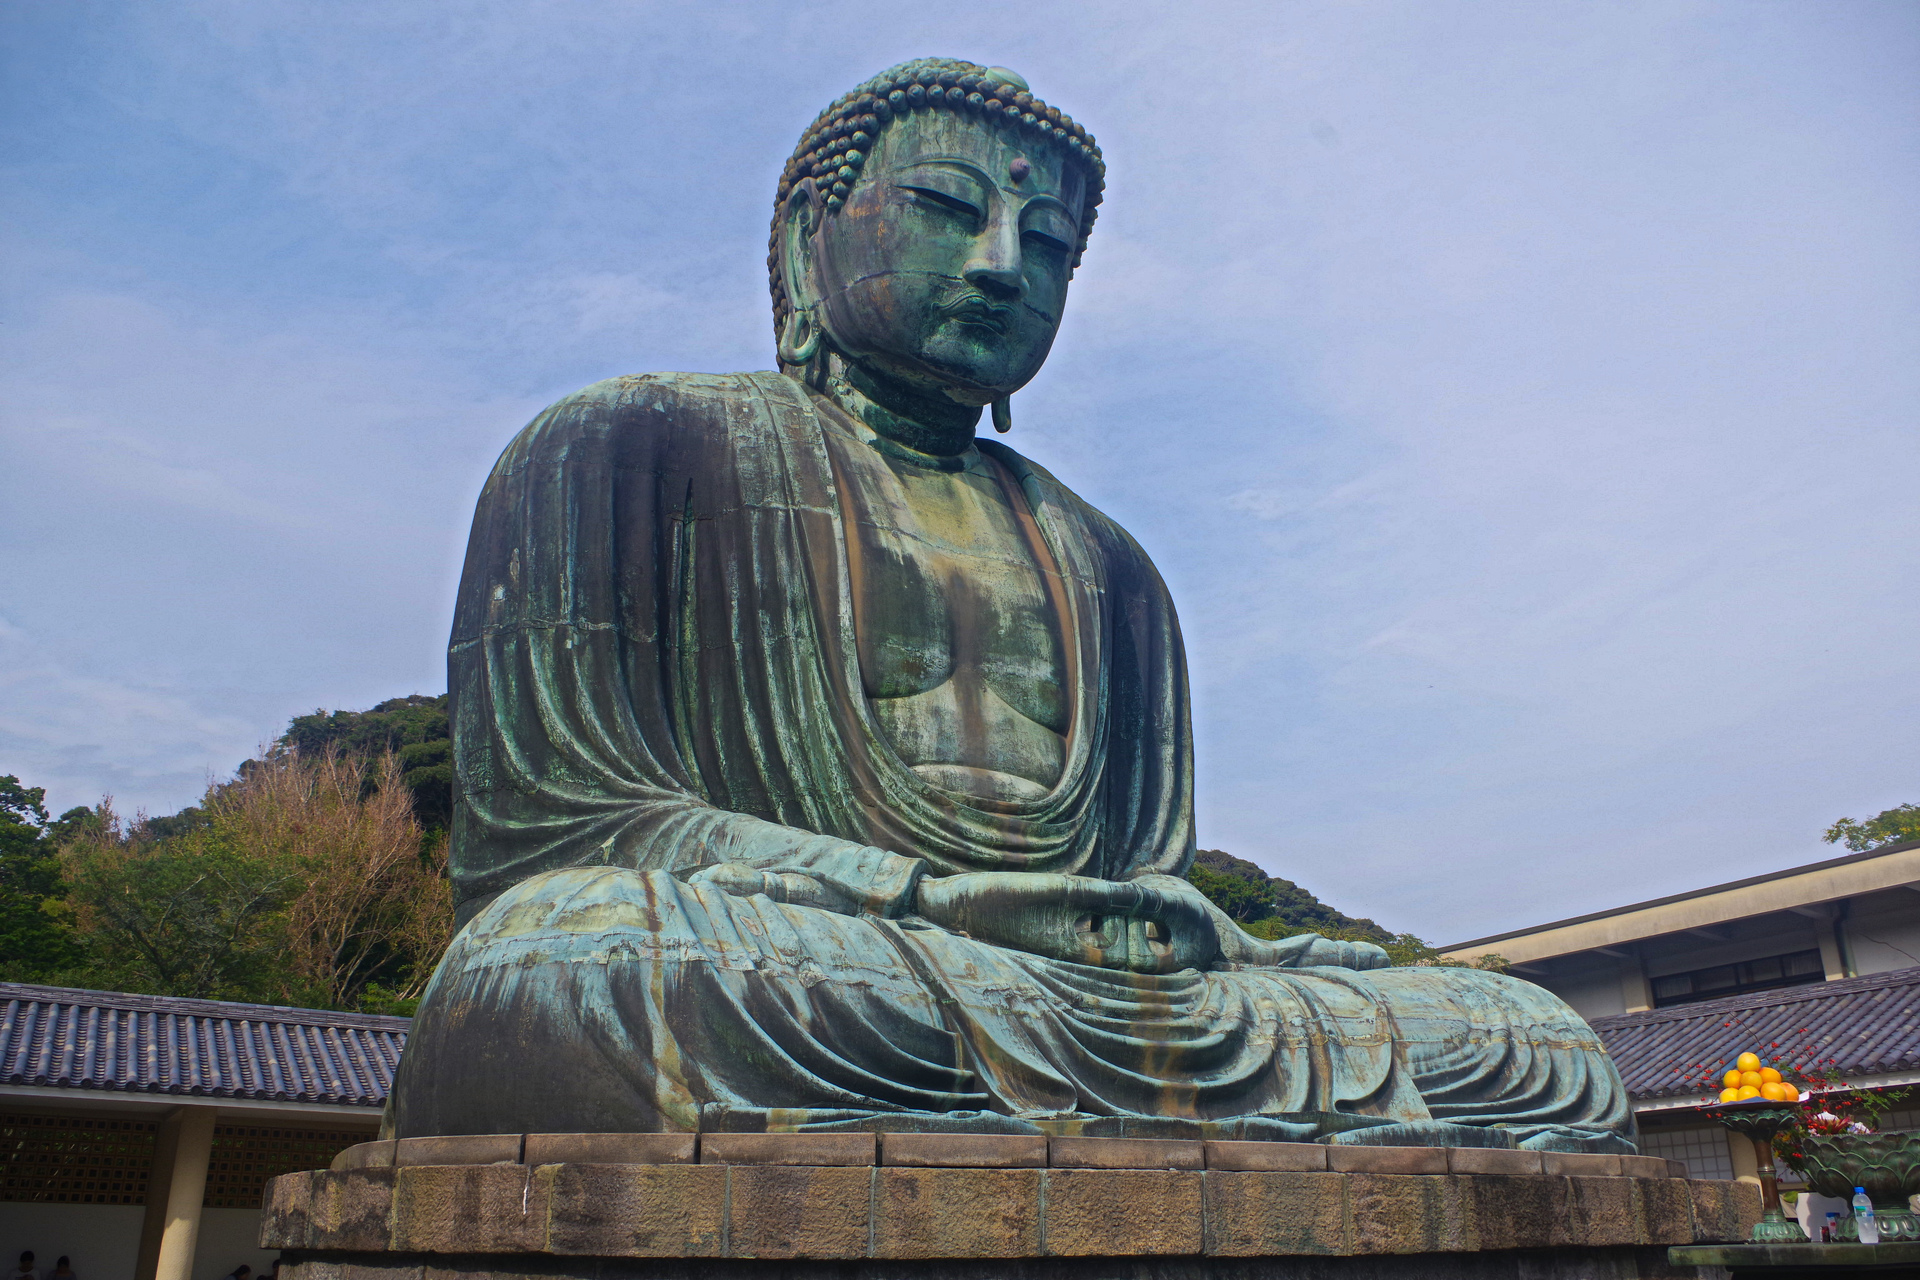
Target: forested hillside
point(1251, 896)
point(315, 876)
point(1270, 907)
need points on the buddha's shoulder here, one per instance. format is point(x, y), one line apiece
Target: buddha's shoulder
point(690, 392)
point(643, 405)
point(1103, 526)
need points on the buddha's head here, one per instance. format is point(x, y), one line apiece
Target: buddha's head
point(926, 230)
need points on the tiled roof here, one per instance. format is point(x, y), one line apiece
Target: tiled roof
point(1869, 1026)
point(57, 1037)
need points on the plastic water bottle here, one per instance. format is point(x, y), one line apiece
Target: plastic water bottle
point(1830, 1234)
point(1863, 1217)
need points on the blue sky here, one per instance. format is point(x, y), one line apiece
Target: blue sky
point(1519, 398)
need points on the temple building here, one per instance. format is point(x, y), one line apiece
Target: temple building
point(1820, 962)
point(138, 1131)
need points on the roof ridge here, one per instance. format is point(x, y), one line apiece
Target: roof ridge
point(233, 1010)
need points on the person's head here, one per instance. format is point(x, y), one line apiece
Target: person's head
point(926, 229)
point(242, 1271)
point(26, 1260)
point(61, 1264)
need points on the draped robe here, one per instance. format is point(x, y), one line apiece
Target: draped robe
point(654, 668)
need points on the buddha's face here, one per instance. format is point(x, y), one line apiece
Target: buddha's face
point(947, 267)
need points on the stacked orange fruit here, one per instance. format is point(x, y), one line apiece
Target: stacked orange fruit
point(1748, 1079)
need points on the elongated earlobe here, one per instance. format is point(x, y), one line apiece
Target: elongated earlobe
point(799, 337)
point(1003, 414)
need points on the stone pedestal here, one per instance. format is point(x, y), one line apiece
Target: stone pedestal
point(953, 1207)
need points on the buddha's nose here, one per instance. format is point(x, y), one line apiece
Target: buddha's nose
point(995, 268)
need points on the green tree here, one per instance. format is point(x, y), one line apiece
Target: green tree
point(293, 882)
point(415, 728)
point(1238, 896)
point(1248, 894)
point(34, 945)
point(316, 875)
point(1272, 908)
point(372, 903)
point(186, 916)
point(1889, 826)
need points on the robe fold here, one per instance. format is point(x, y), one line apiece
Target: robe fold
point(654, 668)
point(653, 665)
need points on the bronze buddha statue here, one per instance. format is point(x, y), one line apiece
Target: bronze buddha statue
point(822, 766)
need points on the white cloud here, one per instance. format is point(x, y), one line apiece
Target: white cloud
point(214, 529)
point(82, 736)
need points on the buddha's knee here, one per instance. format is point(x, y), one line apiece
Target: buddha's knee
point(1472, 994)
point(580, 901)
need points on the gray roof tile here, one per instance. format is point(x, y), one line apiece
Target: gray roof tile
point(1868, 1026)
point(57, 1037)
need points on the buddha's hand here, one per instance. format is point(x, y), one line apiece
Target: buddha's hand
point(744, 880)
point(1241, 950)
point(1308, 950)
point(1133, 925)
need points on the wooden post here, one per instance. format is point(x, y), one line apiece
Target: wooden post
point(174, 1191)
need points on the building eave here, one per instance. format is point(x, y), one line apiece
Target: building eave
point(1889, 867)
point(156, 1105)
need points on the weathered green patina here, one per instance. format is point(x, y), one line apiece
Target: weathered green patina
point(821, 766)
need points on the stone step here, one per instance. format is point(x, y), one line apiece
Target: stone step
point(850, 1212)
point(985, 1151)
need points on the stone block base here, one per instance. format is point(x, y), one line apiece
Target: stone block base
point(1525, 1264)
point(867, 1210)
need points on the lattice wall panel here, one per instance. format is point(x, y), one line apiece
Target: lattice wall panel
point(1704, 1149)
point(56, 1159)
point(245, 1156)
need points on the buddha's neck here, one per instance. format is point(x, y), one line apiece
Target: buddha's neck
point(926, 424)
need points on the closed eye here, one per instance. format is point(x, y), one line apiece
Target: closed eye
point(945, 201)
point(1045, 241)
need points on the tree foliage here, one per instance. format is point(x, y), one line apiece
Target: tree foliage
point(184, 916)
point(1248, 894)
point(32, 939)
point(1890, 826)
point(293, 883)
point(415, 728)
point(307, 879)
point(1272, 908)
point(368, 900)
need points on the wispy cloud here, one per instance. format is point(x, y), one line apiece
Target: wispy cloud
point(89, 736)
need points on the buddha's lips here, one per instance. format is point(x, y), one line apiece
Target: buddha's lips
point(975, 309)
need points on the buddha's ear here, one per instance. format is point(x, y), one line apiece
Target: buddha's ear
point(799, 220)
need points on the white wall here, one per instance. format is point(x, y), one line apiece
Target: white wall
point(1593, 991)
point(226, 1240)
point(1885, 939)
point(104, 1239)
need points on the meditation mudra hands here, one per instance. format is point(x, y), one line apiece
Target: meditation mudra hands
point(1151, 924)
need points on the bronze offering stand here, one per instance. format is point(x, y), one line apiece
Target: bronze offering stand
point(1887, 1164)
point(1759, 1120)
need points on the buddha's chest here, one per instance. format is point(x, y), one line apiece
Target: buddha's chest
point(958, 616)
